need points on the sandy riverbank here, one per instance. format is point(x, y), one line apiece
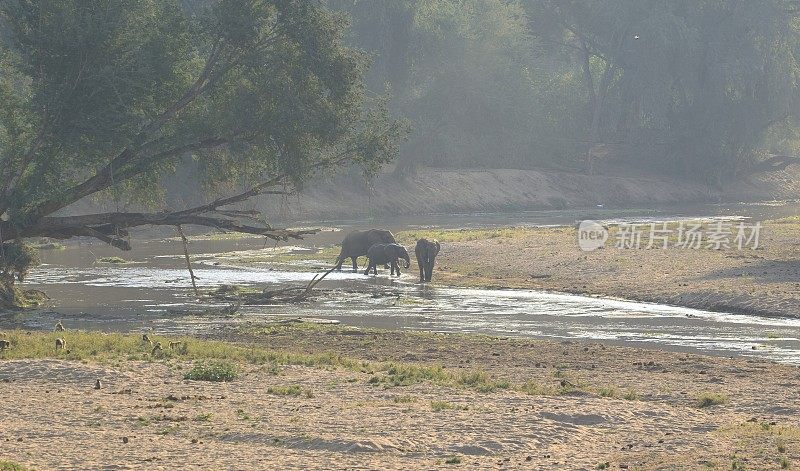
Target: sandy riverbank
point(763, 281)
point(311, 397)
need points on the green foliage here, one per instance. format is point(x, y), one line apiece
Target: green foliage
point(453, 67)
point(691, 87)
point(108, 97)
point(697, 88)
point(217, 372)
point(16, 259)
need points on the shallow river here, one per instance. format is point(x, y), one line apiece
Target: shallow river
point(153, 293)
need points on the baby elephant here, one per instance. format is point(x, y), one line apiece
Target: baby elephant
point(426, 252)
point(380, 254)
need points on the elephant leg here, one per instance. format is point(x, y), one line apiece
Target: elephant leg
point(396, 264)
point(355, 264)
point(429, 274)
point(369, 265)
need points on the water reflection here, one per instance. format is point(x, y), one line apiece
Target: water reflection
point(156, 297)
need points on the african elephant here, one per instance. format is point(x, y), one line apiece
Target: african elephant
point(380, 254)
point(356, 244)
point(426, 251)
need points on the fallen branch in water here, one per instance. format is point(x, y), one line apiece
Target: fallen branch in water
point(268, 296)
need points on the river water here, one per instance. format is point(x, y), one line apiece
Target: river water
point(154, 293)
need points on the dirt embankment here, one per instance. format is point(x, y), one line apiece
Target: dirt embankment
point(442, 191)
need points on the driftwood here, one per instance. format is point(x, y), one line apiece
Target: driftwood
point(188, 260)
point(291, 294)
point(213, 311)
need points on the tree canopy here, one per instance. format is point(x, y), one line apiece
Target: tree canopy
point(105, 97)
point(698, 88)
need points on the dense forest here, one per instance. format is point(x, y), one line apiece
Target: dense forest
point(700, 88)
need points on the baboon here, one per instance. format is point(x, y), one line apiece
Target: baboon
point(61, 344)
point(173, 345)
point(59, 327)
point(4, 344)
point(98, 384)
point(146, 339)
point(157, 348)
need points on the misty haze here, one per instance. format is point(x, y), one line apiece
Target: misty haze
point(399, 234)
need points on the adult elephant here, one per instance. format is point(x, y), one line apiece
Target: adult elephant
point(426, 251)
point(356, 244)
point(380, 254)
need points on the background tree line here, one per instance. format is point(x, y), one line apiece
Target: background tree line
point(699, 88)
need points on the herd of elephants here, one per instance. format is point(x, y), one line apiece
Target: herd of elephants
point(381, 248)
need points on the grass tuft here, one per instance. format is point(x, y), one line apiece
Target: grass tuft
point(291, 390)
point(206, 417)
point(708, 399)
point(439, 406)
point(631, 395)
point(609, 391)
point(11, 466)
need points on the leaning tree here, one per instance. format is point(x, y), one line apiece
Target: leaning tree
point(102, 98)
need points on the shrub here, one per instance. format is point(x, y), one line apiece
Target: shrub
point(218, 371)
